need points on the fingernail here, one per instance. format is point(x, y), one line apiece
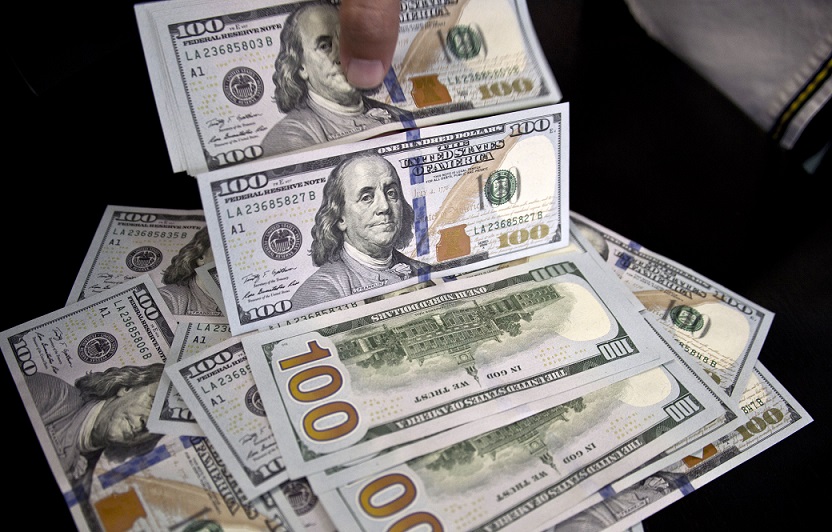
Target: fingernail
point(365, 74)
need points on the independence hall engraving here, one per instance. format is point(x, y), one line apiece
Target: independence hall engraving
point(455, 333)
point(527, 433)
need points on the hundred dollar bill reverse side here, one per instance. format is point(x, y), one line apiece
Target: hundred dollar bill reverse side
point(166, 244)
point(243, 80)
point(731, 416)
point(774, 415)
point(722, 330)
point(310, 232)
point(170, 414)
point(395, 371)
point(520, 475)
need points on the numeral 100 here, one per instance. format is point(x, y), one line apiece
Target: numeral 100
point(194, 29)
point(390, 495)
point(242, 183)
point(503, 88)
point(758, 424)
point(329, 420)
point(538, 125)
point(238, 156)
point(521, 236)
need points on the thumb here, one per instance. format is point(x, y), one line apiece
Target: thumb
point(369, 30)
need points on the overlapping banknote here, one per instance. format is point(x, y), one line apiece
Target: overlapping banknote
point(523, 501)
point(214, 389)
point(166, 244)
point(312, 231)
point(731, 417)
point(215, 394)
point(170, 414)
point(518, 476)
point(343, 387)
point(719, 328)
point(224, 79)
point(87, 375)
point(774, 414)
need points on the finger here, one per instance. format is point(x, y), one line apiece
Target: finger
point(369, 30)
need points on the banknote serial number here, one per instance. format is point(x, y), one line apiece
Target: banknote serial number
point(222, 380)
point(508, 222)
point(151, 234)
point(228, 49)
point(273, 203)
point(135, 334)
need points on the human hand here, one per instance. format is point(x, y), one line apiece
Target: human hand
point(369, 31)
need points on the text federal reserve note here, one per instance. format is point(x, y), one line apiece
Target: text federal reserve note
point(331, 227)
point(238, 81)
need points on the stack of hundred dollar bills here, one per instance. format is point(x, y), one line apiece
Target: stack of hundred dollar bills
point(511, 366)
point(223, 77)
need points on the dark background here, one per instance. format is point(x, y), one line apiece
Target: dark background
point(658, 155)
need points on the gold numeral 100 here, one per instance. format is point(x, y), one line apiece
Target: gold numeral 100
point(758, 424)
point(520, 236)
point(330, 420)
point(503, 88)
point(394, 493)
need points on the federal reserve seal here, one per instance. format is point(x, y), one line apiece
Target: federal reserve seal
point(500, 187)
point(144, 258)
point(97, 347)
point(281, 240)
point(254, 403)
point(687, 318)
point(243, 86)
point(300, 496)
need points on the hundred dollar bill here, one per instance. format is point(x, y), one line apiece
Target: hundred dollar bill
point(721, 409)
point(395, 371)
point(774, 415)
point(716, 326)
point(518, 476)
point(356, 221)
point(166, 244)
point(87, 375)
point(220, 391)
point(731, 416)
point(243, 80)
point(170, 414)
